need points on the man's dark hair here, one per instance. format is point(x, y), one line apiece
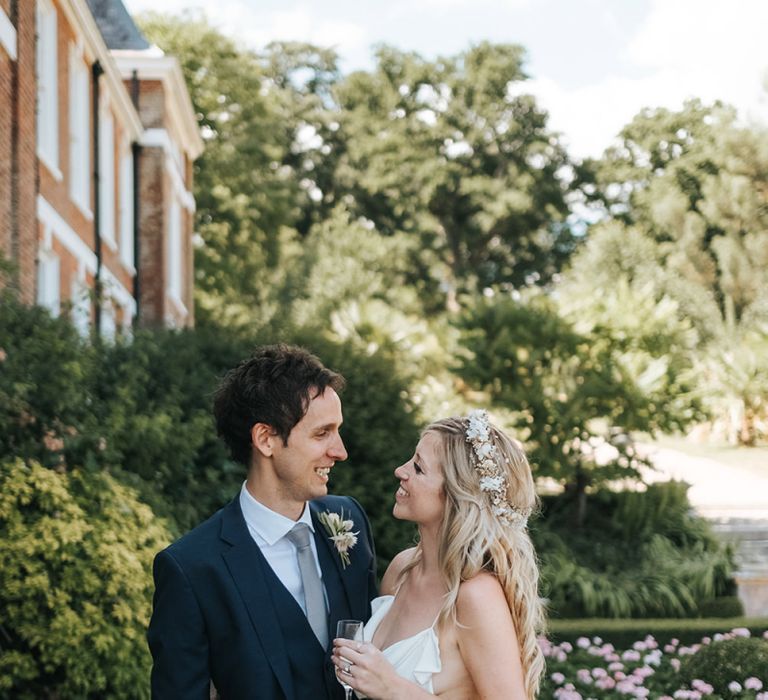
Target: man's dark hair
point(273, 386)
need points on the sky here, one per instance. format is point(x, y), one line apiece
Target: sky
point(593, 64)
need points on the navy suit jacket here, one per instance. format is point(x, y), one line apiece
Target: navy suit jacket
point(221, 614)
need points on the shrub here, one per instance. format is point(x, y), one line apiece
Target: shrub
point(75, 558)
point(723, 662)
point(638, 555)
point(724, 606)
point(622, 633)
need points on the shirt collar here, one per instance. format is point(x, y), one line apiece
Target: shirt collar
point(268, 524)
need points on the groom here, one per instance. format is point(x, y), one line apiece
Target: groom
point(249, 599)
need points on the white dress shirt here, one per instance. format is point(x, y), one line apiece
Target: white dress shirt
point(269, 530)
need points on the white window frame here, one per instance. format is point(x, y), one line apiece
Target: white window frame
point(126, 208)
point(81, 307)
point(108, 320)
point(174, 249)
point(79, 133)
point(48, 87)
point(7, 35)
point(107, 178)
point(49, 282)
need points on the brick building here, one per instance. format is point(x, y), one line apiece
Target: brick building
point(97, 141)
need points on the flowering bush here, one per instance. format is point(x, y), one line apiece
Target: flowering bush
point(592, 668)
point(731, 665)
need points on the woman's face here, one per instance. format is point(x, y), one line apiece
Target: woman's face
point(421, 497)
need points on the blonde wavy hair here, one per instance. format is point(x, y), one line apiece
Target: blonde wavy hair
point(473, 539)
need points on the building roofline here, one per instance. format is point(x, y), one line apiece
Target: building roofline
point(152, 64)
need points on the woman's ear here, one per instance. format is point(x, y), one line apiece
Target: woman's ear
point(263, 438)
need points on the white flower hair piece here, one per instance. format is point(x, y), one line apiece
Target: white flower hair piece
point(493, 482)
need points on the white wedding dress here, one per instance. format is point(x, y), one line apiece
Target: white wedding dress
point(415, 658)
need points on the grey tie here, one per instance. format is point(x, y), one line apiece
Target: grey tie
point(313, 586)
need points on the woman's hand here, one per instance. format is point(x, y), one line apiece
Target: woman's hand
point(364, 668)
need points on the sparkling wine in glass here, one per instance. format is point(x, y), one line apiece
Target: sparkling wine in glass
point(348, 629)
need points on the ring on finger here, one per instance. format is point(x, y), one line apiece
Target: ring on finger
point(347, 669)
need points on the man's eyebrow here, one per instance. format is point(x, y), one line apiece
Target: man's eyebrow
point(327, 426)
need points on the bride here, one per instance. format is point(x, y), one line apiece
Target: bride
point(459, 613)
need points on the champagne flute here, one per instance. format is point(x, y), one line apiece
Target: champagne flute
point(348, 629)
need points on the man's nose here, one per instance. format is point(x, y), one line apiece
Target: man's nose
point(338, 451)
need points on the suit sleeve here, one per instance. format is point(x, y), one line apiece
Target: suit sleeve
point(373, 589)
point(177, 636)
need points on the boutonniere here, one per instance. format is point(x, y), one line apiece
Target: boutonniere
point(340, 533)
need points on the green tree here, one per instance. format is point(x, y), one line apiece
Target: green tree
point(246, 193)
point(570, 395)
point(75, 558)
point(451, 151)
point(694, 198)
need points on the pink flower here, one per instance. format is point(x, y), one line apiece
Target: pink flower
point(606, 683)
point(584, 676)
point(600, 672)
point(557, 678)
point(653, 658)
point(616, 666)
point(675, 663)
point(651, 642)
point(567, 647)
point(631, 655)
point(582, 642)
point(753, 683)
point(644, 672)
point(734, 687)
point(669, 649)
point(703, 687)
point(740, 632)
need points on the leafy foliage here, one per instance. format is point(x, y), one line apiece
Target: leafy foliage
point(568, 392)
point(689, 189)
point(245, 192)
point(640, 554)
point(649, 666)
point(75, 574)
point(722, 662)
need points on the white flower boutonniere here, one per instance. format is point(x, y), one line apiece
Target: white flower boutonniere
point(340, 533)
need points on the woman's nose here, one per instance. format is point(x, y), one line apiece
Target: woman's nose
point(400, 472)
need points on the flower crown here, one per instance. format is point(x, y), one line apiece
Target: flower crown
point(492, 479)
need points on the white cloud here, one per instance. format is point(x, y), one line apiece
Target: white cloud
point(244, 20)
point(713, 49)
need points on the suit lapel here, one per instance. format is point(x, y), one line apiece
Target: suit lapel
point(246, 565)
point(336, 582)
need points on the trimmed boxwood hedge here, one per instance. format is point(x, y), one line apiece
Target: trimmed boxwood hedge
point(623, 633)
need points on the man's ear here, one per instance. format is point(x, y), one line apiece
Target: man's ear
point(263, 438)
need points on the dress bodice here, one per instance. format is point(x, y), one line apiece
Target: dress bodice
point(416, 658)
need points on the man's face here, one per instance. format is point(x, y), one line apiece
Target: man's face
point(300, 468)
